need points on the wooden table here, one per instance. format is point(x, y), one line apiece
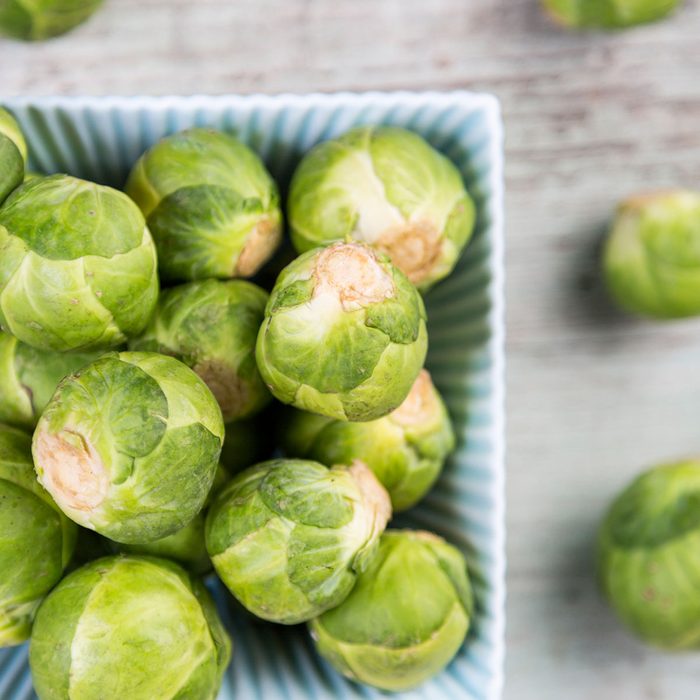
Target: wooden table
point(592, 396)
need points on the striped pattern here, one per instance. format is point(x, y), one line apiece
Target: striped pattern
point(100, 139)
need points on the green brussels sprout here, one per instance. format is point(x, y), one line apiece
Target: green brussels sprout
point(648, 556)
point(652, 255)
point(186, 547)
point(389, 188)
point(244, 445)
point(608, 14)
point(36, 20)
point(78, 266)
point(29, 377)
point(128, 627)
point(405, 619)
point(289, 537)
point(212, 327)
point(36, 539)
point(13, 151)
point(128, 446)
point(210, 203)
point(406, 449)
point(344, 334)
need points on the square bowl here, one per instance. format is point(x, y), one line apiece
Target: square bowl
point(100, 139)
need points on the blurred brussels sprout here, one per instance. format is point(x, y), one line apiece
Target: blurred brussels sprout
point(221, 478)
point(648, 560)
point(405, 619)
point(344, 334)
point(128, 627)
point(210, 203)
point(29, 377)
point(36, 539)
point(608, 14)
point(212, 327)
point(652, 255)
point(186, 547)
point(36, 20)
point(289, 537)
point(88, 547)
point(389, 188)
point(78, 269)
point(244, 445)
point(405, 450)
point(13, 151)
point(128, 446)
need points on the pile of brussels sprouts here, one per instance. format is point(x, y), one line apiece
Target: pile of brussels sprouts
point(149, 462)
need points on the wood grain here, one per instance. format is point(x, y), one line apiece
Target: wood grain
point(592, 396)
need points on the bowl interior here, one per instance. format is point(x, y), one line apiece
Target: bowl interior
point(100, 139)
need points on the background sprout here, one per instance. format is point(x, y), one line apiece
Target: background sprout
point(344, 334)
point(608, 14)
point(128, 627)
point(13, 151)
point(652, 256)
point(78, 266)
point(405, 619)
point(88, 547)
point(389, 188)
point(128, 446)
point(288, 537)
point(405, 450)
point(29, 377)
point(36, 539)
point(212, 327)
point(210, 203)
point(186, 547)
point(246, 443)
point(648, 556)
point(36, 20)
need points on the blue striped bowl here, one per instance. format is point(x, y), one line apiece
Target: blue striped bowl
point(100, 138)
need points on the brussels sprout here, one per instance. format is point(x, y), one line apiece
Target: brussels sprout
point(28, 378)
point(289, 537)
point(36, 539)
point(212, 327)
point(13, 151)
point(389, 188)
point(405, 619)
point(78, 266)
point(405, 450)
point(608, 14)
point(652, 256)
point(36, 20)
point(128, 627)
point(244, 445)
point(186, 547)
point(210, 203)
point(128, 446)
point(88, 547)
point(648, 560)
point(344, 334)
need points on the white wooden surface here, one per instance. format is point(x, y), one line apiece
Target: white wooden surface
point(593, 396)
